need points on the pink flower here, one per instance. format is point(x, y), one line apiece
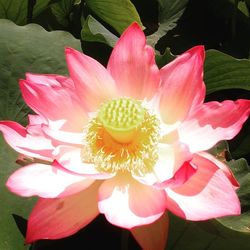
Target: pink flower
point(128, 141)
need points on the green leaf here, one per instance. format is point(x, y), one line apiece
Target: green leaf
point(64, 12)
point(10, 237)
point(239, 168)
point(187, 235)
point(117, 13)
point(39, 7)
point(165, 58)
point(61, 11)
point(242, 173)
point(238, 223)
point(17, 10)
point(239, 146)
point(14, 10)
point(225, 72)
point(221, 151)
point(62, 15)
point(169, 13)
point(242, 6)
point(242, 148)
point(28, 49)
point(93, 31)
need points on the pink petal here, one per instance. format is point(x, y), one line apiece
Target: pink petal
point(222, 166)
point(132, 65)
point(36, 120)
point(181, 176)
point(183, 87)
point(207, 194)
point(46, 181)
point(35, 125)
point(55, 103)
point(59, 218)
point(71, 159)
point(93, 83)
point(127, 203)
point(33, 145)
point(55, 133)
point(50, 80)
point(153, 236)
point(214, 122)
point(171, 158)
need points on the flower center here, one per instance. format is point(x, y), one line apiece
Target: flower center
point(122, 137)
point(121, 118)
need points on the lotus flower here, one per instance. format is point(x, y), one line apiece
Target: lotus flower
point(128, 141)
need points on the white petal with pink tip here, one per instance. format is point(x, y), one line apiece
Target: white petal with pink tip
point(46, 181)
point(207, 194)
point(51, 106)
point(33, 145)
point(213, 122)
point(71, 158)
point(127, 203)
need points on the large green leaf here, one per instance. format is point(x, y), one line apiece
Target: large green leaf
point(17, 10)
point(28, 49)
point(94, 31)
point(117, 13)
point(169, 13)
point(225, 72)
point(187, 235)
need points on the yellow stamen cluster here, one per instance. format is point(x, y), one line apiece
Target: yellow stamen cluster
point(121, 117)
point(123, 137)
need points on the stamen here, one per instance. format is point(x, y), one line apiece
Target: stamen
point(123, 137)
point(121, 118)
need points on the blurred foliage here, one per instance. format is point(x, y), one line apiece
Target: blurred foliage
point(28, 49)
point(171, 26)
